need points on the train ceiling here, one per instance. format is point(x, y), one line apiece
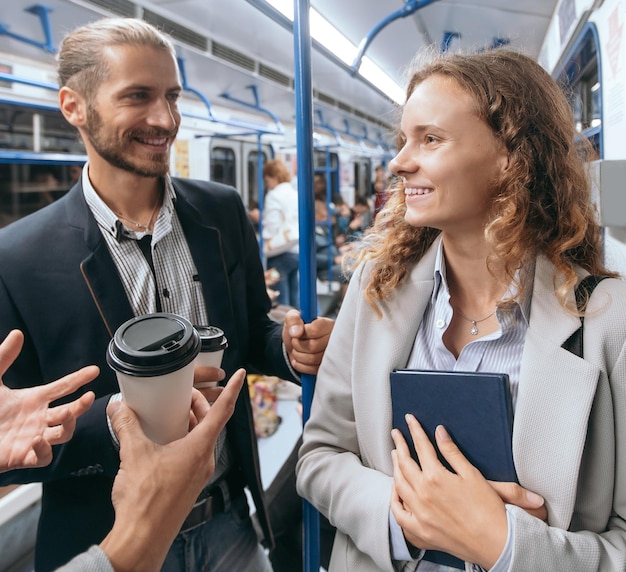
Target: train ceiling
point(229, 45)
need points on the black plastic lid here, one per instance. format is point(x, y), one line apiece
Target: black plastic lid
point(154, 344)
point(211, 338)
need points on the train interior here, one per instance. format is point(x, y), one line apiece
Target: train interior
point(240, 108)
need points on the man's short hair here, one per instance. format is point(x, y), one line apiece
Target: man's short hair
point(81, 64)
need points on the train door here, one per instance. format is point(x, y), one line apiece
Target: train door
point(234, 162)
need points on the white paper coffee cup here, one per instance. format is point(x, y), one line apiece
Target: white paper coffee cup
point(153, 357)
point(213, 342)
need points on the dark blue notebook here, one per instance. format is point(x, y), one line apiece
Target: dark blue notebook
point(476, 410)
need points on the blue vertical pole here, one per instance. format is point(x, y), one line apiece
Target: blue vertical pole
point(261, 195)
point(306, 208)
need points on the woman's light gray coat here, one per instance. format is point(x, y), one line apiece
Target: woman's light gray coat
point(569, 434)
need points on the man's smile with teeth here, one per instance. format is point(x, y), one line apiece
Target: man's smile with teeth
point(160, 141)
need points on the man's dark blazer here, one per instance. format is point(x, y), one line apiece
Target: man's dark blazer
point(60, 286)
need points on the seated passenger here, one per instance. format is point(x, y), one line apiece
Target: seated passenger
point(328, 258)
point(362, 219)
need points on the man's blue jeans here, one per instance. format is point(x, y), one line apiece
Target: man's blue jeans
point(225, 543)
point(288, 285)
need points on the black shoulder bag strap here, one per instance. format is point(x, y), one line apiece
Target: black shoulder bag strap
point(587, 285)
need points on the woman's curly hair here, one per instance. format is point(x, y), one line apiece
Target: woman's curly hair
point(541, 204)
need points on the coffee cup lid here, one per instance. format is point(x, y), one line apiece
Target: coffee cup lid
point(211, 338)
point(153, 344)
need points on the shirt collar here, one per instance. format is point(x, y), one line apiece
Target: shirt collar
point(524, 276)
point(107, 220)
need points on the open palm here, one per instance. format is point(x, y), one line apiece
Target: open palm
point(28, 426)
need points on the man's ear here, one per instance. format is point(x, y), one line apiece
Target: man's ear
point(73, 106)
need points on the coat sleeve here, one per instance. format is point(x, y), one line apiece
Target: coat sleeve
point(94, 560)
point(91, 450)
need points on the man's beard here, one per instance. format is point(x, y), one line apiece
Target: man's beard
point(112, 150)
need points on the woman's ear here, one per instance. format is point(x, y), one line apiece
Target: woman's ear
point(73, 106)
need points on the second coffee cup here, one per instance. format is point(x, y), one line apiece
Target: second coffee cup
point(213, 342)
point(153, 357)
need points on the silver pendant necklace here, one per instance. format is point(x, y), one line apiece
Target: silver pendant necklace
point(474, 328)
point(140, 227)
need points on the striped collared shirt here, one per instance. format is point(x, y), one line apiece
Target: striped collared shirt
point(500, 351)
point(177, 283)
point(175, 277)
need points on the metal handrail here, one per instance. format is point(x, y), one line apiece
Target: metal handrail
point(306, 208)
point(410, 7)
point(43, 12)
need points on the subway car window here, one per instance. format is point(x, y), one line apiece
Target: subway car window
point(581, 81)
point(223, 165)
point(37, 129)
point(27, 187)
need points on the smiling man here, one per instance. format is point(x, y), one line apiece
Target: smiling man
point(129, 240)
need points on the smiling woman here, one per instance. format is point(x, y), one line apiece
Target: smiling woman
point(471, 266)
point(449, 160)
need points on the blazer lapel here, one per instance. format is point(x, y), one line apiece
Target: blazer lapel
point(390, 339)
point(206, 249)
point(555, 396)
point(106, 288)
point(98, 268)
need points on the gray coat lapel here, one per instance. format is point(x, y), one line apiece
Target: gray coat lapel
point(554, 400)
point(391, 340)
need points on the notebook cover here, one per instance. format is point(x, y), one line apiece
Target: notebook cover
point(476, 410)
point(474, 407)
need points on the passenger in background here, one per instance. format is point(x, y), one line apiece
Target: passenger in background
point(280, 230)
point(329, 259)
point(472, 266)
point(362, 219)
point(319, 187)
point(379, 189)
point(254, 214)
point(328, 256)
point(127, 240)
point(74, 172)
point(342, 214)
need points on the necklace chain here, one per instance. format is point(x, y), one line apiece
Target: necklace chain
point(140, 226)
point(474, 328)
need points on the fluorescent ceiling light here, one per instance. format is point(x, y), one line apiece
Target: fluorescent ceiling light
point(323, 32)
point(372, 73)
point(285, 7)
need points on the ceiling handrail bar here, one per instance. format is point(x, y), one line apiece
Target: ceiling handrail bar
point(282, 20)
point(359, 138)
point(256, 106)
point(227, 135)
point(9, 77)
point(187, 87)
point(410, 7)
point(366, 137)
point(321, 124)
point(43, 12)
point(211, 116)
